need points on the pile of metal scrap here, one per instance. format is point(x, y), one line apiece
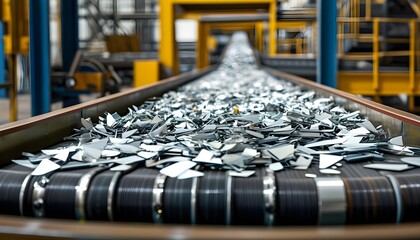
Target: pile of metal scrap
point(235, 118)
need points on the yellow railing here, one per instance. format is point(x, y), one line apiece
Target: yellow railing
point(302, 45)
point(378, 53)
point(285, 45)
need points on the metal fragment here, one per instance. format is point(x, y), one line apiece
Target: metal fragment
point(389, 166)
point(177, 169)
point(326, 161)
point(46, 166)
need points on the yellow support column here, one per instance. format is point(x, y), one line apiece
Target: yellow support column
point(273, 27)
point(18, 25)
point(259, 36)
point(202, 51)
point(340, 35)
point(145, 72)
point(314, 31)
point(376, 56)
point(168, 51)
point(412, 66)
point(13, 104)
point(298, 47)
point(358, 16)
point(368, 9)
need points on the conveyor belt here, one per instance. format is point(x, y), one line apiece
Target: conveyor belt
point(357, 196)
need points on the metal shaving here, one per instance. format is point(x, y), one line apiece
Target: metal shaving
point(235, 118)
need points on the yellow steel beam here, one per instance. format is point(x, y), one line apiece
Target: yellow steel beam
point(380, 19)
point(272, 31)
point(259, 36)
point(368, 9)
point(230, 30)
point(299, 49)
point(362, 83)
point(358, 15)
point(212, 43)
point(357, 56)
point(19, 26)
point(294, 55)
point(204, 2)
point(197, 14)
point(351, 14)
point(203, 34)
point(412, 65)
point(15, 14)
point(364, 37)
point(301, 44)
point(340, 44)
point(13, 105)
point(202, 52)
point(292, 40)
point(292, 24)
point(393, 53)
point(314, 34)
point(188, 15)
point(376, 54)
point(232, 25)
point(168, 52)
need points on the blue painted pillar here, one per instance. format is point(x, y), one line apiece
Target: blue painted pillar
point(69, 31)
point(3, 92)
point(327, 43)
point(39, 51)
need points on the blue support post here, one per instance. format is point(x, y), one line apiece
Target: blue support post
point(327, 43)
point(69, 31)
point(3, 92)
point(39, 51)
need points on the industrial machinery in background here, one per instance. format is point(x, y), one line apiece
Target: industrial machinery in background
point(85, 76)
point(117, 42)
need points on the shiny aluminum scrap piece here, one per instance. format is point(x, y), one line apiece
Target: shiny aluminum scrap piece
point(234, 118)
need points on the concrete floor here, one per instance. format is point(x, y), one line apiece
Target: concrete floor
point(24, 108)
